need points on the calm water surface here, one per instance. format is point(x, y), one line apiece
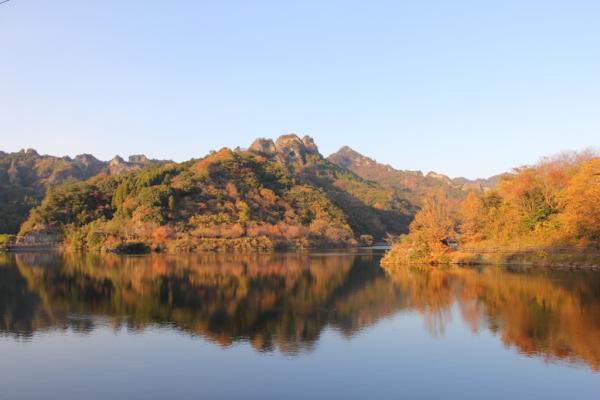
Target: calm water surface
point(313, 325)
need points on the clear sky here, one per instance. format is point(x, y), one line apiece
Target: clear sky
point(467, 88)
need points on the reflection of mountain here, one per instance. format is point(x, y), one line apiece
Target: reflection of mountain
point(555, 315)
point(284, 301)
point(274, 301)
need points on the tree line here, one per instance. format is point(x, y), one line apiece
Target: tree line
point(554, 203)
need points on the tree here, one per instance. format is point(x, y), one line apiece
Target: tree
point(434, 226)
point(582, 203)
point(471, 214)
point(430, 232)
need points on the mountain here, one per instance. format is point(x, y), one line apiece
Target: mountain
point(275, 193)
point(26, 175)
point(370, 207)
point(413, 184)
point(281, 193)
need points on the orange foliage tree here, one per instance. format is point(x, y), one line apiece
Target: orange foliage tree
point(430, 233)
point(582, 203)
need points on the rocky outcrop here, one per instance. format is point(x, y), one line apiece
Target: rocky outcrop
point(263, 146)
point(140, 159)
point(90, 164)
point(294, 150)
point(288, 149)
point(118, 165)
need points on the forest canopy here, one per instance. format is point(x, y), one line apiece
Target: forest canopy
point(242, 199)
point(552, 204)
point(285, 194)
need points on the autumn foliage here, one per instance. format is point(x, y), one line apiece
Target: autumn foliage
point(230, 200)
point(430, 233)
point(555, 203)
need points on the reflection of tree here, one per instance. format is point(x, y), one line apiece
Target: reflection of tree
point(19, 307)
point(274, 301)
point(284, 301)
point(553, 314)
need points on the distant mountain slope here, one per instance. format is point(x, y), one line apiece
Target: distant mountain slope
point(414, 184)
point(481, 184)
point(26, 175)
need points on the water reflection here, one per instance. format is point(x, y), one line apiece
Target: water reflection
point(552, 314)
point(275, 301)
point(284, 301)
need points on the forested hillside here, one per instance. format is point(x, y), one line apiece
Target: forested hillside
point(371, 208)
point(26, 175)
point(281, 194)
point(275, 194)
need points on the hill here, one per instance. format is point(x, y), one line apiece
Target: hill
point(26, 175)
point(275, 194)
point(370, 207)
point(228, 199)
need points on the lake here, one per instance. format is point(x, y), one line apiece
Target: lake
point(287, 326)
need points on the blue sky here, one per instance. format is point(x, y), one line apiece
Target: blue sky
point(466, 88)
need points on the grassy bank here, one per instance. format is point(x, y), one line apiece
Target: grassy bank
point(570, 258)
point(185, 244)
point(547, 257)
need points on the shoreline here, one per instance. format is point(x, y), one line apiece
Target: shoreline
point(563, 261)
point(148, 251)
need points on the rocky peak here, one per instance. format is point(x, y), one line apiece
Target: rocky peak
point(287, 149)
point(87, 159)
point(309, 144)
point(290, 147)
point(116, 161)
point(139, 159)
point(263, 146)
point(89, 164)
point(118, 166)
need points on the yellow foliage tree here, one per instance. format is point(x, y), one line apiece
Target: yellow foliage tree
point(582, 203)
point(471, 213)
point(430, 232)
